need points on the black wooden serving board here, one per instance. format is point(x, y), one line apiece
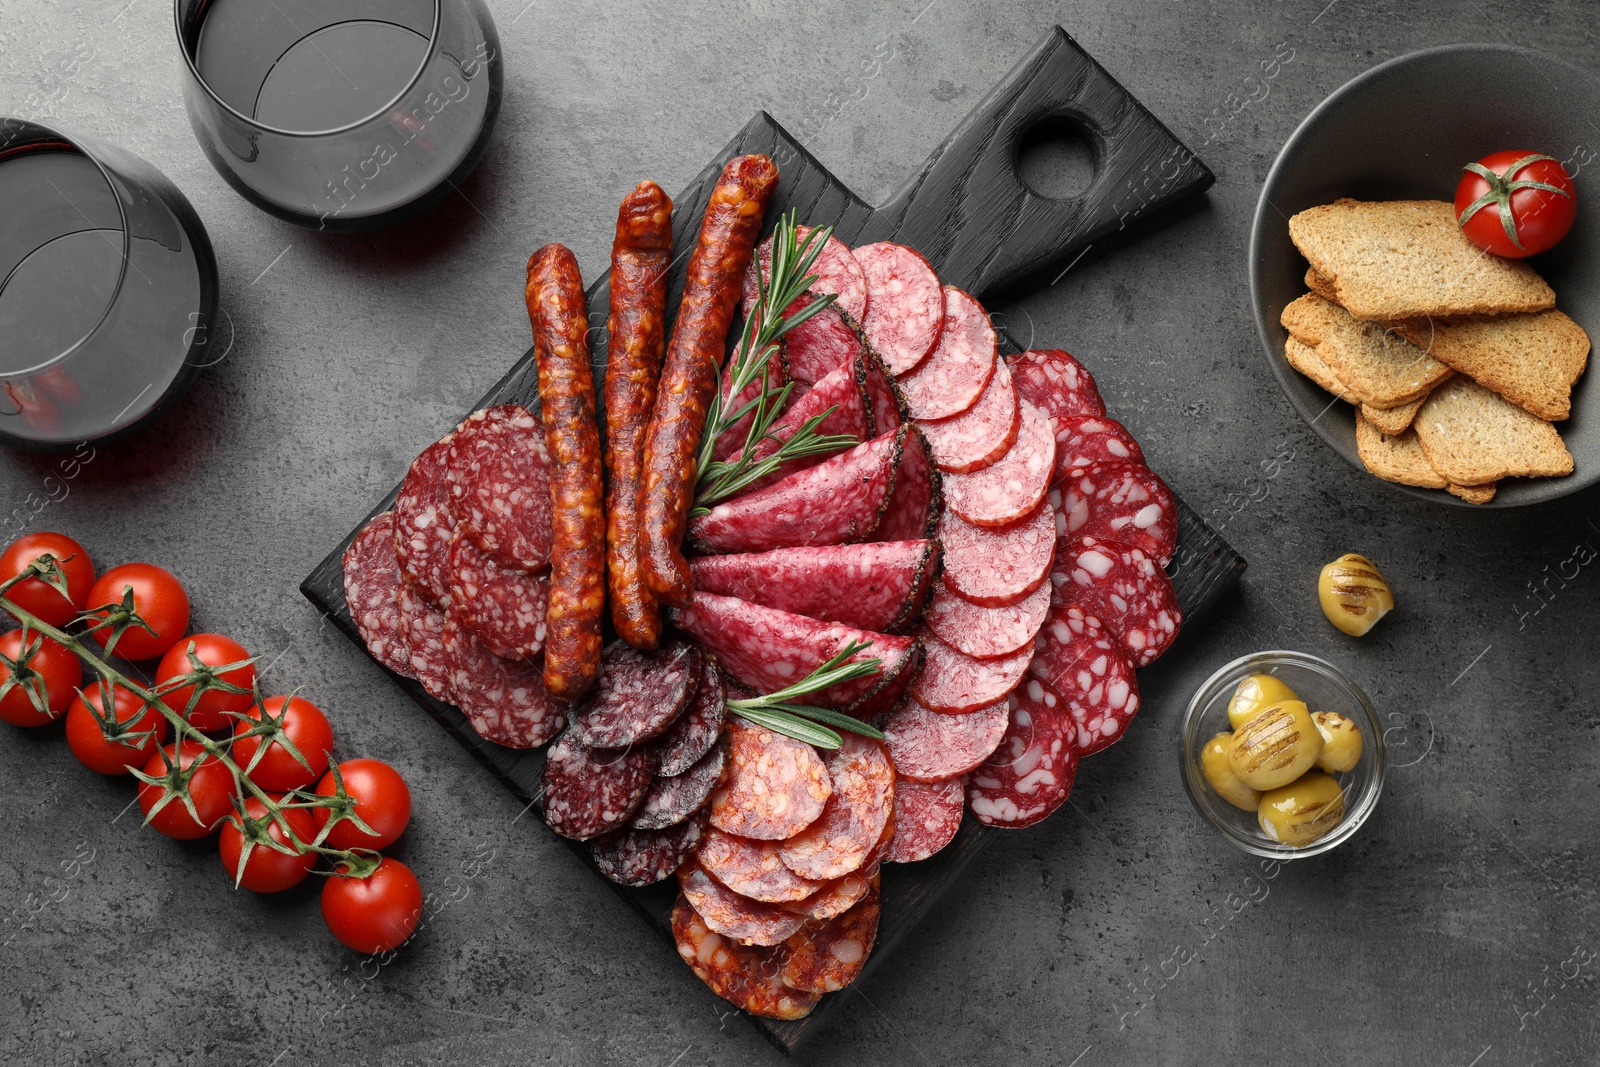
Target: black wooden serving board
point(968, 211)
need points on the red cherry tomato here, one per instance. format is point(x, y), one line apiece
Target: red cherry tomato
point(307, 730)
point(210, 787)
point(376, 913)
point(53, 665)
point(381, 797)
point(87, 738)
point(159, 600)
point(1537, 197)
point(35, 595)
point(267, 870)
point(211, 710)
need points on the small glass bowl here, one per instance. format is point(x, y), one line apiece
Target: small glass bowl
point(1324, 688)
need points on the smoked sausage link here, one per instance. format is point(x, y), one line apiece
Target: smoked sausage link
point(559, 315)
point(640, 256)
point(689, 379)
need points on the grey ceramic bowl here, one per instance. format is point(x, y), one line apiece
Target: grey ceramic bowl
point(1403, 130)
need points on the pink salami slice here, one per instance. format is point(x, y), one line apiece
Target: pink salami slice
point(1005, 491)
point(999, 566)
point(983, 433)
point(694, 733)
point(873, 586)
point(1119, 501)
point(371, 590)
point(1055, 383)
point(905, 305)
point(836, 269)
point(745, 976)
point(499, 476)
point(915, 502)
point(1082, 665)
point(638, 694)
point(852, 821)
point(824, 343)
point(587, 791)
point(837, 400)
point(886, 697)
point(1124, 587)
point(672, 800)
point(928, 746)
point(955, 373)
point(840, 500)
point(1030, 775)
point(732, 439)
point(732, 915)
point(752, 868)
point(423, 627)
point(987, 632)
point(827, 955)
point(1085, 439)
point(885, 403)
point(926, 818)
point(953, 682)
point(424, 521)
point(775, 786)
point(504, 699)
point(503, 608)
point(644, 857)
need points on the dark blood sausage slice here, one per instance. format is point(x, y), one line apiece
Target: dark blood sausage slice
point(836, 269)
point(840, 500)
point(644, 857)
point(874, 586)
point(572, 436)
point(504, 608)
point(1085, 439)
point(775, 786)
point(592, 791)
point(999, 566)
point(981, 434)
point(689, 378)
point(987, 632)
point(746, 977)
point(884, 401)
point(424, 521)
point(954, 682)
point(824, 343)
point(905, 305)
point(672, 800)
point(958, 369)
point(731, 914)
point(928, 746)
point(1055, 383)
point(917, 500)
point(1030, 774)
point(423, 626)
point(1119, 501)
point(926, 818)
point(843, 837)
point(842, 408)
point(1005, 491)
point(638, 694)
point(504, 699)
point(371, 589)
point(694, 733)
point(640, 255)
point(1080, 663)
point(827, 955)
point(1125, 588)
point(499, 478)
point(752, 868)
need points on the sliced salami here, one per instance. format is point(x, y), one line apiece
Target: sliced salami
point(746, 977)
point(823, 344)
point(1030, 775)
point(836, 269)
point(827, 955)
point(752, 868)
point(504, 699)
point(499, 476)
point(775, 786)
point(592, 791)
point(639, 858)
point(503, 608)
point(1119, 501)
point(1085, 439)
point(888, 694)
point(955, 373)
point(836, 897)
point(983, 433)
point(1082, 664)
point(873, 586)
point(423, 626)
point(424, 521)
point(837, 401)
point(842, 838)
point(987, 632)
point(673, 799)
point(929, 746)
point(731, 914)
point(1124, 587)
point(694, 733)
point(1005, 491)
point(1055, 383)
point(914, 505)
point(998, 566)
point(954, 682)
point(638, 694)
point(371, 589)
point(926, 818)
point(884, 401)
point(732, 439)
point(905, 305)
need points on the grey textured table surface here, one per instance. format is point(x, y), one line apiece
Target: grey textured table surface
point(1454, 930)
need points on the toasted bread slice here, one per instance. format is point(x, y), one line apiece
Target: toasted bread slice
point(1392, 421)
point(1379, 366)
point(1395, 459)
point(1474, 436)
point(1474, 494)
point(1303, 358)
point(1531, 359)
point(1320, 285)
point(1403, 259)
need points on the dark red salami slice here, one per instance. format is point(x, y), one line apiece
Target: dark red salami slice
point(1118, 501)
point(852, 821)
point(752, 868)
point(953, 682)
point(424, 521)
point(1030, 775)
point(987, 632)
point(905, 305)
point(694, 733)
point(371, 589)
point(873, 586)
point(1085, 439)
point(824, 343)
point(1005, 491)
point(732, 439)
point(887, 696)
point(423, 626)
point(827, 955)
point(836, 269)
point(503, 608)
point(1124, 587)
point(915, 503)
point(884, 402)
point(592, 791)
point(926, 818)
point(929, 746)
point(840, 500)
point(731, 914)
point(1000, 566)
point(981, 434)
point(638, 694)
point(1081, 664)
point(673, 799)
point(775, 786)
point(504, 699)
point(955, 373)
point(1055, 383)
point(499, 475)
point(746, 977)
point(839, 402)
point(644, 857)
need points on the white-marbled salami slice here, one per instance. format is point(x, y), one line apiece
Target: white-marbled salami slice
point(1118, 501)
point(1125, 588)
point(694, 733)
point(423, 626)
point(905, 304)
point(821, 345)
point(673, 799)
point(836, 269)
point(915, 503)
point(953, 682)
point(931, 746)
point(983, 433)
point(985, 632)
point(639, 858)
point(1085, 667)
point(371, 590)
point(424, 521)
point(499, 477)
point(843, 836)
point(1055, 383)
point(587, 791)
point(504, 699)
point(504, 608)
point(926, 818)
point(836, 400)
point(885, 403)
point(1030, 775)
point(752, 868)
point(1085, 439)
point(998, 566)
point(955, 373)
point(638, 694)
point(775, 786)
point(1010, 488)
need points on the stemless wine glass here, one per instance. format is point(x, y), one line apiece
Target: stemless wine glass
point(108, 289)
point(341, 115)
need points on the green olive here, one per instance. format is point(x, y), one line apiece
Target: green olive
point(1341, 742)
point(1219, 774)
point(1277, 745)
point(1256, 693)
point(1304, 811)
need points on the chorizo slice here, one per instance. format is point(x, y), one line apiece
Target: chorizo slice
point(841, 839)
point(825, 956)
point(744, 976)
point(776, 786)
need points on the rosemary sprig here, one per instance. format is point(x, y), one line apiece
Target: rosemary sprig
point(782, 713)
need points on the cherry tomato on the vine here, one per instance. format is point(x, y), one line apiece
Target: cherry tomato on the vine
point(212, 708)
point(305, 727)
point(376, 913)
point(42, 663)
point(382, 800)
point(37, 596)
point(158, 599)
point(267, 870)
point(1516, 204)
point(87, 738)
point(210, 787)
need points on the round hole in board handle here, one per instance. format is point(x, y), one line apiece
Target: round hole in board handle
point(1056, 158)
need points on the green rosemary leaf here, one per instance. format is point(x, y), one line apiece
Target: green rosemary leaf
point(788, 725)
point(829, 717)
